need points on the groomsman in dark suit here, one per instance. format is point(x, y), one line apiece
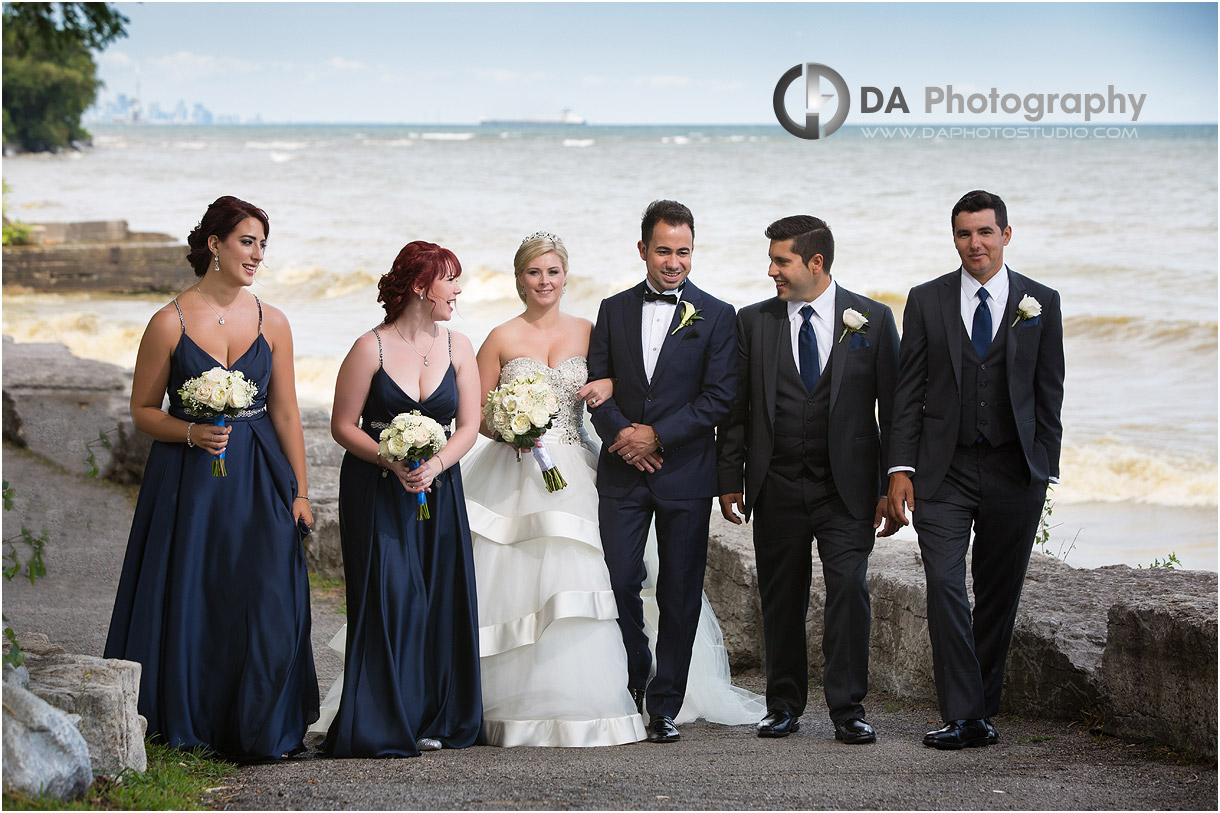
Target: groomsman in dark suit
point(669, 346)
point(816, 364)
point(976, 437)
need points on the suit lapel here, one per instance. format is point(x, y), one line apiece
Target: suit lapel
point(690, 294)
point(951, 312)
point(773, 321)
point(633, 308)
point(1016, 290)
point(838, 350)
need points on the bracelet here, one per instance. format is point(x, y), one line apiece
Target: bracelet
point(380, 465)
point(301, 497)
point(438, 457)
point(189, 444)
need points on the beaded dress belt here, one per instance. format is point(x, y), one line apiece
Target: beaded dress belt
point(250, 413)
point(383, 425)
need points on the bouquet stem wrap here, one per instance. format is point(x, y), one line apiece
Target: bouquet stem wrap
point(421, 499)
point(218, 463)
point(550, 472)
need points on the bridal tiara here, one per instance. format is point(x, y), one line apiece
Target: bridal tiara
point(545, 235)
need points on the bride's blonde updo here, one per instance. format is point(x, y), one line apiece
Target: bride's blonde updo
point(533, 247)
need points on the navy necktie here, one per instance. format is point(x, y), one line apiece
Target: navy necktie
point(980, 336)
point(807, 350)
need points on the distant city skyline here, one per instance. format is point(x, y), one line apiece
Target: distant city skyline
point(635, 63)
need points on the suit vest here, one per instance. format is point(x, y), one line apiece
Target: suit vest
point(986, 404)
point(802, 420)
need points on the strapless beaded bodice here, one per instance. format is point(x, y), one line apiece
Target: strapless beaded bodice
point(565, 380)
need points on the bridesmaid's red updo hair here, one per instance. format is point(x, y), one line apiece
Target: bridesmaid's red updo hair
point(416, 267)
point(221, 218)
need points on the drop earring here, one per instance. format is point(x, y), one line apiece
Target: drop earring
point(217, 258)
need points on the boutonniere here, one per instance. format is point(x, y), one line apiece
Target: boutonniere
point(690, 315)
point(854, 322)
point(1028, 308)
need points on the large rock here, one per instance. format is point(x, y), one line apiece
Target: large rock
point(1159, 665)
point(44, 754)
point(323, 551)
point(104, 692)
point(1156, 629)
point(56, 404)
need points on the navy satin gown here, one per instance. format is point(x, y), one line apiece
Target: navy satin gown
point(412, 662)
point(213, 600)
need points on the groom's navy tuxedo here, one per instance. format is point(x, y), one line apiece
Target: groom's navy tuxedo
point(810, 461)
point(690, 392)
point(983, 436)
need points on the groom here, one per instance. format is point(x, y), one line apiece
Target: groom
point(976, 436)
point(803, 451)
point(670, 349)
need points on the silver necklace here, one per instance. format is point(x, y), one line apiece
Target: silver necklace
point(423, 356)
point(220, 316)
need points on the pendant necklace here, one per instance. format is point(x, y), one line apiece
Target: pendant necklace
point(220, 316)
point(423, 356)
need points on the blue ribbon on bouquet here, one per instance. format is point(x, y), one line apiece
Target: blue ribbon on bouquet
point(218, 463)
point(421, 512)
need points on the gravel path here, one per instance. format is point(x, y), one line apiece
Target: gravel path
point(1038, 764)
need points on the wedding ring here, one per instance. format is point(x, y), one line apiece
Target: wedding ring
point(628, 455)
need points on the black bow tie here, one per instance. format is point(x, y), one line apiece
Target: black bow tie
point(652, 296)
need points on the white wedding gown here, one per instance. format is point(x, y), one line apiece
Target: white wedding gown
point(554, 670)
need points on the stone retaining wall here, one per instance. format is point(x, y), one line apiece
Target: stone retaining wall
point(97, 256)
point(1135, 649)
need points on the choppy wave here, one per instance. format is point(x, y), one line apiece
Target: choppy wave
point(578, 142)
point(1184, 334)
point(447, 136)
point(276, 145)
point(1107, 470)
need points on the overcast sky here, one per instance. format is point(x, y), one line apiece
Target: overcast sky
point(648, 63)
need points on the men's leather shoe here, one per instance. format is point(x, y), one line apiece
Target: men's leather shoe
point(662, 729)
point(959, 734)
point(778, 724)
point(855, 732)
point(638, 696)
point(993, 736)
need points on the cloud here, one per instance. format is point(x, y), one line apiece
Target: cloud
point(339, 63)
point(189, 65)
point(505, 76)
point(665, 81)
point(115, 59)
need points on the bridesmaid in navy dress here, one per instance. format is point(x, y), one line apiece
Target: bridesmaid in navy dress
point(213, 600)
point(411, 667)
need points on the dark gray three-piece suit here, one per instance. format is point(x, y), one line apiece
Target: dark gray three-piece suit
point(811, 462)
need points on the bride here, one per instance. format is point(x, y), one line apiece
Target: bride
point(554, 670)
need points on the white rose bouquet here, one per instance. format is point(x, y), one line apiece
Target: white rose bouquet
point(217, 394)
point(519, 412)
point(412, 437)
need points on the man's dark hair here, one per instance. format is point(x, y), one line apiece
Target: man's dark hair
point(668, 211)
point(809, 235)
point(980, 201)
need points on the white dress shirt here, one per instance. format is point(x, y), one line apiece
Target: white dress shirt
point(822, 320)
point(654, 327)
point(997, 299)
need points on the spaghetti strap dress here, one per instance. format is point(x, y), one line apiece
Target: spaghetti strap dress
point(411, 661)
point(213, 599)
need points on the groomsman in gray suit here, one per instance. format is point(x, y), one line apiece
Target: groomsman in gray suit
point(802, 451)
point(976, 436)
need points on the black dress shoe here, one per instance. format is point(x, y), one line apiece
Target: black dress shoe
point(638, 696)
point(855, 732)
point(959, 734)
point(778, 724)
point(662, 729)
point(993, 736)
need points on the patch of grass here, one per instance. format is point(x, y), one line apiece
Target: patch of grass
point(175, 780)
point(329, 591)
point(1038, 738)
point(891, 706)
